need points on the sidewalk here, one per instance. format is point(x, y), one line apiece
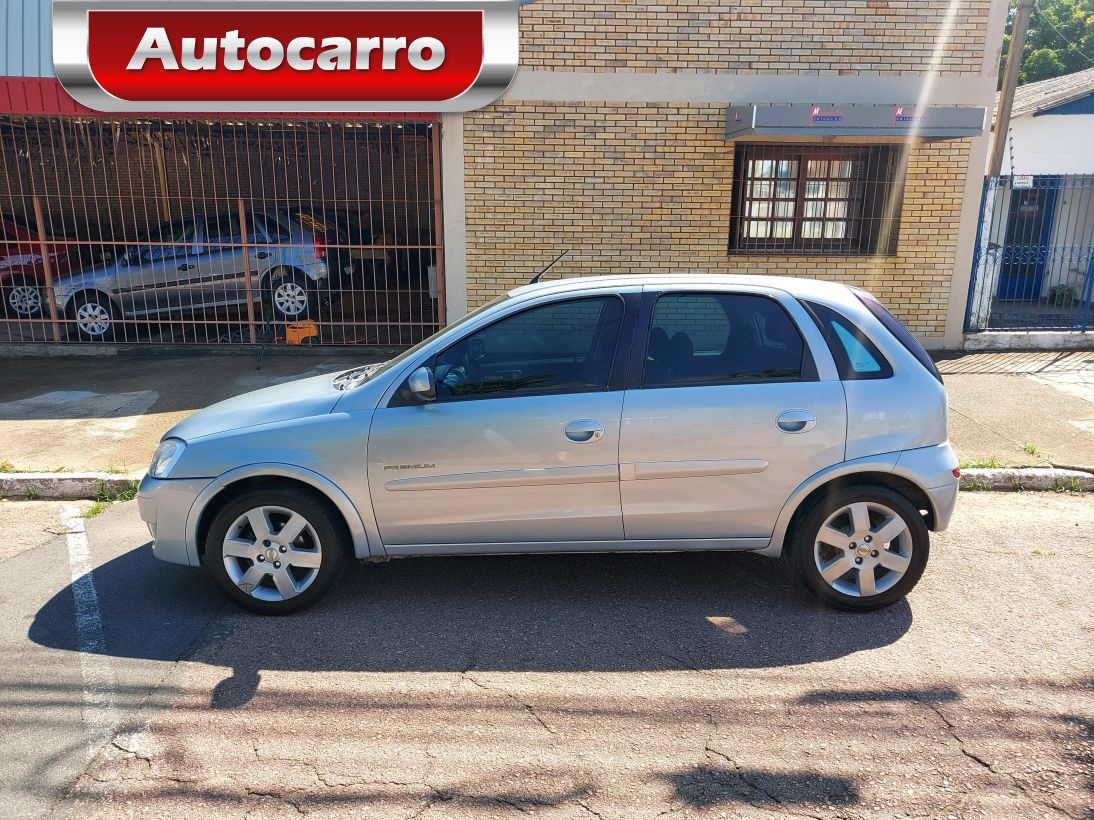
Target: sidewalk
point(108, 413)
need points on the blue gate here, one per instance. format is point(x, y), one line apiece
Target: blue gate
point(1033, 267)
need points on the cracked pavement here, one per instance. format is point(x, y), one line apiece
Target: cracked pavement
point(612, 686)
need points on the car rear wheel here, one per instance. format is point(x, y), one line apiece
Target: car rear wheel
point(22, 298)
point(275, 551)
point(861, 547)
point(95, 317)
point(292, 296)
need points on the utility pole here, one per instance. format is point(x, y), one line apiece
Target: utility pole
point(1010, 81)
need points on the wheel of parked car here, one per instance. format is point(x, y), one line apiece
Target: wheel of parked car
point(275, 550)
point(861, 547)
point(95, 316)
point(22, 297)
point(292, 296)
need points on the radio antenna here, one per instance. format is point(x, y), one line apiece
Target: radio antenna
point(557, 259)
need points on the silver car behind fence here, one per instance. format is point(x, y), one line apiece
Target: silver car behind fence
point(643, 413)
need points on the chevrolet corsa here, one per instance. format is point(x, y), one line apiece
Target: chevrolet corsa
point(645, 413)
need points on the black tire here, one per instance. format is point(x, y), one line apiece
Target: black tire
point(804, 534)
point(300, 284)
point(24, 297)
point(108, 311)
point(324, 522)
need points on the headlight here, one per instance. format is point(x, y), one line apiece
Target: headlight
point(166, 457)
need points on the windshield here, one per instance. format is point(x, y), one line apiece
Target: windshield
point(359, 375)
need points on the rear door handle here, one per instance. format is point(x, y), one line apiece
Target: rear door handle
point(584, 431)
point(796, 421)
point(262, 255)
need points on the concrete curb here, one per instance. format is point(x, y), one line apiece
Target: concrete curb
point(66, 486)
point(1026, 478)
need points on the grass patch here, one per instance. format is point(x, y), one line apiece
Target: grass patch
point(7, 467)
point(1043, 553)
point(31, 494)
point(109, 496)
point(1069, 485)
point(114, 469)
point(1030, 449)
point(991, 462)
point(976, 484)
point(95, 509)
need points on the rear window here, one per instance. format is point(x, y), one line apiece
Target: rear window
point(894, 326)
point(855, 355)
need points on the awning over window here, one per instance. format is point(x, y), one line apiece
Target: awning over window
point(852, 120)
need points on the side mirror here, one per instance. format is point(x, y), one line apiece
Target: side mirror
point(421, 385)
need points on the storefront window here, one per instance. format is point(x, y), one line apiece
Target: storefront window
point(809, 199)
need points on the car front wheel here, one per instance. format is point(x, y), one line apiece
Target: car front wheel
point(861, 547)
point(275, 551)
point(95, 317)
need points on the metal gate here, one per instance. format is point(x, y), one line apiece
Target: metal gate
point(214, 232)
point(1033, 267)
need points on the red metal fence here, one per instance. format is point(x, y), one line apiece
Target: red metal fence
point(170, 231)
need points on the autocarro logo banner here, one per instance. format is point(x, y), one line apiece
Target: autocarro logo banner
point(285, 56)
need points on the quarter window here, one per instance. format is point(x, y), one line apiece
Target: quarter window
point(855, 355)
point(557, 348)
point(700, 338)
point(840, 200)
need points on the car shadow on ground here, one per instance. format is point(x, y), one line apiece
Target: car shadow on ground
point(549, 613)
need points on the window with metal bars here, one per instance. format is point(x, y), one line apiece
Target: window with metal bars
point(841, 200)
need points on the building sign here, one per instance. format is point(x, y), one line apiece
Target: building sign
point(1021, 181)
point(898, 120)
point(303, 55)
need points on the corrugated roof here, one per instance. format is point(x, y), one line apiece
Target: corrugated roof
point(1045, 94)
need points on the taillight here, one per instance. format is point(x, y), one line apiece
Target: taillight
point(320, 246)
point(957, 472)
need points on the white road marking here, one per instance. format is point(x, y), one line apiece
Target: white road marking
point(100, 712)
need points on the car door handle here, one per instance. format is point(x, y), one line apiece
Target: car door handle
point(796, 421)
point(584, 431)
point(262, 255)
point(186, 267)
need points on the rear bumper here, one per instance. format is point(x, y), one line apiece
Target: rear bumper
point(932, 468)
point(164, 505)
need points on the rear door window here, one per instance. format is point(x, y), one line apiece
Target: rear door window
point(896, 327)
point(721, 338)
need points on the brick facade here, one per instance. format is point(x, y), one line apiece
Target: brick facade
point(755, 36)
point(637, 188)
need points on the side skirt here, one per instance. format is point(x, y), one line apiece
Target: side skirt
point(660, 545)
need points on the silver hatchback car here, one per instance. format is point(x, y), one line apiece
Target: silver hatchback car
point(641, 413)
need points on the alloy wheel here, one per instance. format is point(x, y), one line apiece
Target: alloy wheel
point(25, 300)
point(93, 319)
point(272, 553)
point(290, 298)
point(863, 549)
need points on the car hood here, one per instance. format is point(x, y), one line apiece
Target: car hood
point(314, 396)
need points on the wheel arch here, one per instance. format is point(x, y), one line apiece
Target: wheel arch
point(229, 485)
point(877, 470)
point(70, 302)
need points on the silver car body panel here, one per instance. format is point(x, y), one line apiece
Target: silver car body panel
point(194, 274)
point(677, 468)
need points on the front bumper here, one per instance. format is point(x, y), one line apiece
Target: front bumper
point(164, 505)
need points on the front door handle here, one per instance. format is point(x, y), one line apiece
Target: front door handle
point(186, 266)
point(796, 421)
point(584, 431)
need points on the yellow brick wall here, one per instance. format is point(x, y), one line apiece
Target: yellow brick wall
point(754, 36)
point(638, 188)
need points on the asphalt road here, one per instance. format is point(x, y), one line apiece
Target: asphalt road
point(564, 686)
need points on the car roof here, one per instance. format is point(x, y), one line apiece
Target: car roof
point(797, 287)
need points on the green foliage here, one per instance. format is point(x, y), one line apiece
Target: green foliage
point(991, 462)
point(31, 494)
point(1060, 40)
point(7, 467)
